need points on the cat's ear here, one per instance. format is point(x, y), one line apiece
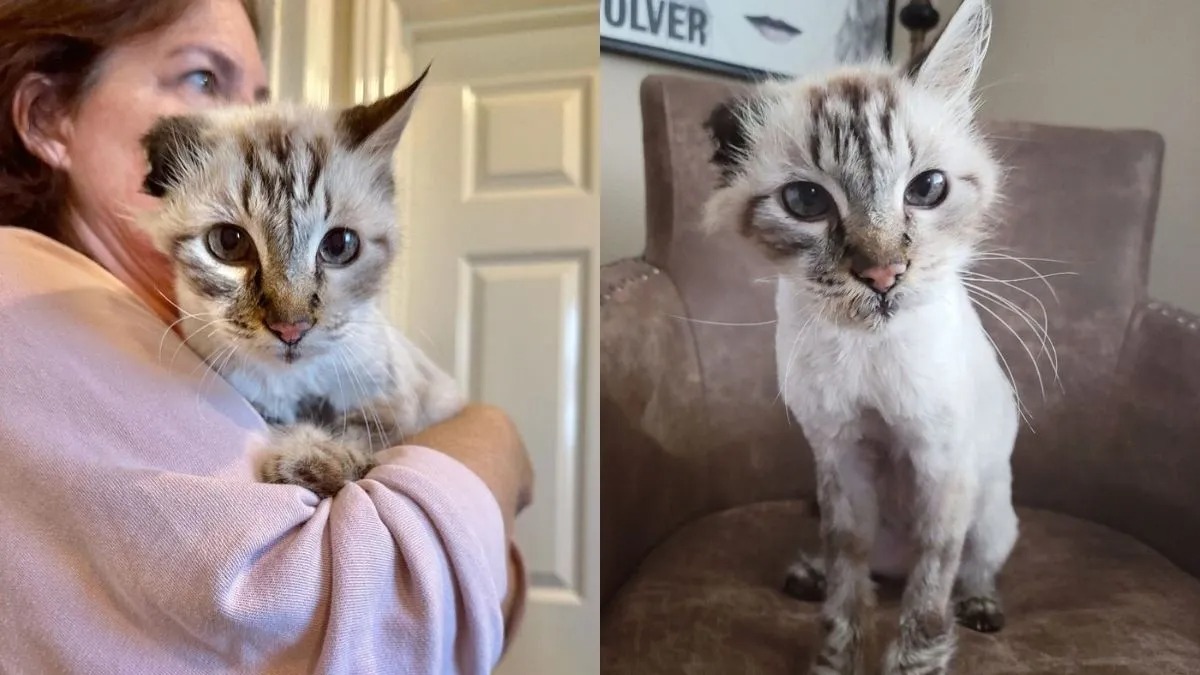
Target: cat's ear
point(376, 127)
point(171, 145)
point(727, 128)
point(951, 66)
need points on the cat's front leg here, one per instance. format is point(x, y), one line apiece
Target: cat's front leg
point(314, 458)
point(849, 517)
point(944, 496)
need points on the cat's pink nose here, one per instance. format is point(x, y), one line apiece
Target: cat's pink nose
point(289, 332)
point(879, 277)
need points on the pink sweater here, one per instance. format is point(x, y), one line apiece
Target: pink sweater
point(134, 537)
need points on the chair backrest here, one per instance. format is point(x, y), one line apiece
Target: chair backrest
point(1084, 196)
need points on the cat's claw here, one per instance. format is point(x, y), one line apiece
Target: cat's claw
point(805, 582)
point(980, 614)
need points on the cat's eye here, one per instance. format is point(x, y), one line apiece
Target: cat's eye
point(339, 247)
point(806, 200)
point(230, 244)
point(927, 190)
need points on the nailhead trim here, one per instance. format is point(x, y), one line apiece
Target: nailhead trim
point(654, 271)
point(1183, 319)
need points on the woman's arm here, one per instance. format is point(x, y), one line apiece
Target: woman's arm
point(133, 530)
point(486, 441)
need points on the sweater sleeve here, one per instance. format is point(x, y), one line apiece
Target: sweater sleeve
point(134, 533)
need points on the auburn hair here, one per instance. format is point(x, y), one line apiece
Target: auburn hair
point(64, 40)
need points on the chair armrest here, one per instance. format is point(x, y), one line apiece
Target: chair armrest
point(651, 401)
point(1155, 481)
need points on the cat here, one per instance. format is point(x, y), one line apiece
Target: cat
point(871, 189)
point(279, 221)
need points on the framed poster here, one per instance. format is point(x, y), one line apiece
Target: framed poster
point(749, 38)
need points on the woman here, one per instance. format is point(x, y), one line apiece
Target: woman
point(133, 534)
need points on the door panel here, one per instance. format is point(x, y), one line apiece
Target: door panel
point(500, 286)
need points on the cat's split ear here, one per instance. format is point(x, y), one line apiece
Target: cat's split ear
point(728, 131)
point(376, 127)
point(171, 144)
point(951, 66)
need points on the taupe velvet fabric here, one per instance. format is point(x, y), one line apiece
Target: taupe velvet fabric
point(1081, 598)
point(692, 424)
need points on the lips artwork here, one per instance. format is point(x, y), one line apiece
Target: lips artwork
point(774, 30)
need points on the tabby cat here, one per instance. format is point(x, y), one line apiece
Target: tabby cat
point(280, 223)
point(871, 189)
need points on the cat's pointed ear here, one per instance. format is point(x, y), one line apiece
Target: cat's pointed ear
point(951, 66)
point(171, 145)
point(727, 128)
point(376, 127)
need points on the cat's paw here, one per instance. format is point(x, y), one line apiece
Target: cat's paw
point(931, 659)
point(805, 581)
point(980, 614)
point(313, 459)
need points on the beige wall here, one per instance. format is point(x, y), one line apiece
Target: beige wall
point(1113, 63)
point(1101, 63)
point(622, 192)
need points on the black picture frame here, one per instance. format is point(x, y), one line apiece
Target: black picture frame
point(664, 56)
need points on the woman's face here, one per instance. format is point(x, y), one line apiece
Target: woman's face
point(209, 57)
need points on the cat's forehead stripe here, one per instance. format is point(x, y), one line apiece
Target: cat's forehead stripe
point(843, 115)
point(283, 170)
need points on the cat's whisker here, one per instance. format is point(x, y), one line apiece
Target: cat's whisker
point(351, 351)
point(192, 335)
point(1040, 332)
point(163, 338)
point(337, 373)
point(1012, 381)
point(169, 300)
point(215, 371)
point(378, 422)
point(722, 323)
point(1018, 279)
point(973, 280)
point(995, 254)
point(210, 367)
point(801, 336)
point(1036, 368)
point(1045, 325)
point(356, 383)
point(1025, 262)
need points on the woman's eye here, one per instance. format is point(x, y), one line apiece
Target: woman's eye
point(927, 190)
point(202, 81)
point(806, 200)
point(339, 247)
point(230, 244)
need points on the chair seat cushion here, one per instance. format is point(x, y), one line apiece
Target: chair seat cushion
point(1079, 598)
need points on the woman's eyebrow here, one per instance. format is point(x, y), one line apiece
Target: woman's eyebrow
point(227, 67)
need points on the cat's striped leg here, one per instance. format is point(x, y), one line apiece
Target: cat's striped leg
point(849, 516)
point(942, 517)
point(989, 543)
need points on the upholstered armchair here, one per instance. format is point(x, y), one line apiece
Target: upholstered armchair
point(707, 486)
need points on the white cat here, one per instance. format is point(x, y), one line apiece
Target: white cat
point(871, 189)
point(280, 223)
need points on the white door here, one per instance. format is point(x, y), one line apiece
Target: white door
point(500, 283)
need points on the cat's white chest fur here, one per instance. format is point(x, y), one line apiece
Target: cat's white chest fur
point(371, 371)
point(899, 402)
